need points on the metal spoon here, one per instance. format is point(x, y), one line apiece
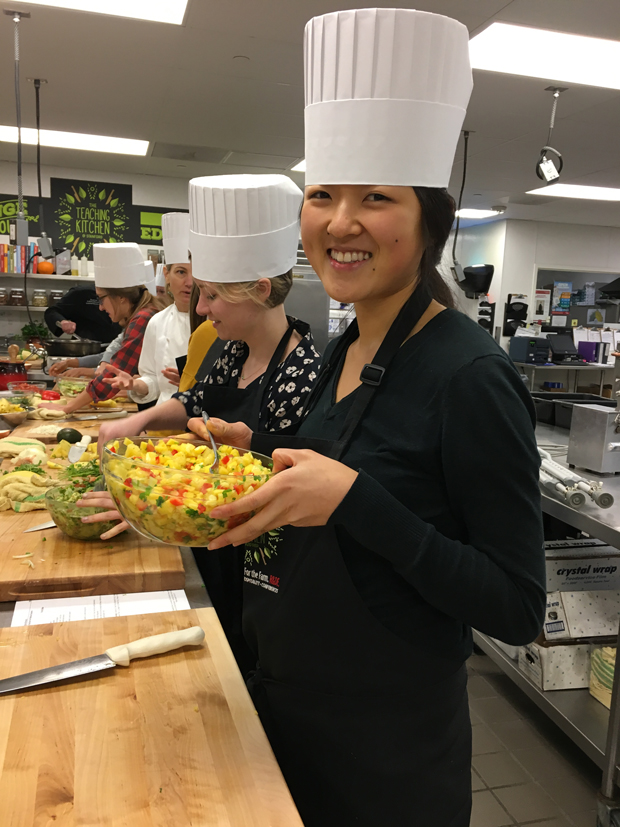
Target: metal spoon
point(216, 459)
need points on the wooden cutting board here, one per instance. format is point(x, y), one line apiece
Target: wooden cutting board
point(170, 741)
point(64, 567)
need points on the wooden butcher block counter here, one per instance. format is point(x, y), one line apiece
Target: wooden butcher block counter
point(170, 741)
point(64, 567)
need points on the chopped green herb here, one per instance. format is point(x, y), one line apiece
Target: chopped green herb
point(160, 501)
point(27, 466)
point(44, 538)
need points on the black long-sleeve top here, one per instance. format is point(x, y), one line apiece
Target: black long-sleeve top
point(80, 305)
point(442, 530)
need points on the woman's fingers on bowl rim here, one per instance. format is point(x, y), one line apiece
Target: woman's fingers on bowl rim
point(118, 529)
point(250, 530)
point(251, 502)
point(102, 517)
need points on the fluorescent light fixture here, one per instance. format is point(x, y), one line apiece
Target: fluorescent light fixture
point(578, 191)
point(300, 167)
point(76, 140)
point(539, 53)
point(478, 213)
point(158, 11)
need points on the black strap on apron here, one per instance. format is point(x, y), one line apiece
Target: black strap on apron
point(372, 374)
point(210, 358)
point(294, 325)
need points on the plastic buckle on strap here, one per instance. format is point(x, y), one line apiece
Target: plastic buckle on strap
point(372, 375)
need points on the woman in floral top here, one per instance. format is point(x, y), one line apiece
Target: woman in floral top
point(284, 398)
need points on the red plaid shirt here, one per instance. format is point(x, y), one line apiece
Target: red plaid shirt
point(126, 358)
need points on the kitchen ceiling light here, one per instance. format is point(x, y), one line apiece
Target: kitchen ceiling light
point(477, 213)
point(540, 53)
point(158, 11)
point(76, 140)
point(300, 167)
point(578, 191)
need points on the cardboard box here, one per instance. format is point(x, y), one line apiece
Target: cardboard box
point(556, 666)
point(574, 615)
point(581, 565)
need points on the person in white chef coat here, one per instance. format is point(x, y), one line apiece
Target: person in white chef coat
point(167, 335)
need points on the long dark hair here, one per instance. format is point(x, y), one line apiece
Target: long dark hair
point(438, 208)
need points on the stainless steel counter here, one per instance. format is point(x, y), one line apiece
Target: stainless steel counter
point(603, 523)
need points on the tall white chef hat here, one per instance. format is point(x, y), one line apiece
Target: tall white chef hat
point(119, 265)
point(149, 277)
point(160, 279)
point(175, 231)
point(386, 94)
point(243, 227)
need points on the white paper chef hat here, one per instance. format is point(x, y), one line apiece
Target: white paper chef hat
point(149, 277)
point(386, 94)
point(175, 231)
point(118, 265)
point(243, 227)
point(160, 279)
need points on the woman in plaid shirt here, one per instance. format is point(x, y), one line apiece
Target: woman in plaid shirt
point(132, 307)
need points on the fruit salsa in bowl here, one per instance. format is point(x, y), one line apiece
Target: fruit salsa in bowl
point(164, 489)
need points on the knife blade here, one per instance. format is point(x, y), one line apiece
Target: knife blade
point(115, 656)
point(41, 526)
point(103, 415)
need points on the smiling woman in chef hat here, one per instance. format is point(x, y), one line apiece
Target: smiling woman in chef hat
point(167, 335)
point(121, 278)
point(411, 512)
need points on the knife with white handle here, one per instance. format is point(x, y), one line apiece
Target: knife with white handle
point(76, 451)
point(116, 656)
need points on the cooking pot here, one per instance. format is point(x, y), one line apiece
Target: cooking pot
point(72, 347)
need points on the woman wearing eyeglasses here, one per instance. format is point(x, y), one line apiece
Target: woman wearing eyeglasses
point(122, 294)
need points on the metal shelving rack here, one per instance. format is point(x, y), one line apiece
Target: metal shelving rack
point(581, 717)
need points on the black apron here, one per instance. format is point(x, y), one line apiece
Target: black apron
point(222, 570)
point(368, 729)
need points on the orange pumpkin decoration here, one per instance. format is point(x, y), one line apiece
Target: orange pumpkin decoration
point(45, 267)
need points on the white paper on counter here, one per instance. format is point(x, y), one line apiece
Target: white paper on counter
point(60, 610)
point(608, 337)
point(580, 334)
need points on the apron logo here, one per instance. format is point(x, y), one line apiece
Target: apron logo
point(259, 578)
point(263, 548)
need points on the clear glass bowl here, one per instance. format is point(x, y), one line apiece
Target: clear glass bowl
point(173, 504)
point(67, 515)
point(70, 386)
point(26, 390)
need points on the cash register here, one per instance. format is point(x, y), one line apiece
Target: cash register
point(563, 350)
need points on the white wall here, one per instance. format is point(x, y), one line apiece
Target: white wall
point(150, 190)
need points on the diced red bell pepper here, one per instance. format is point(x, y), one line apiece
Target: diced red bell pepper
point(238, 489)
point(202, 508)
point(129, 482)
point(49, 396)
point(176, 502)
point(225, 460)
